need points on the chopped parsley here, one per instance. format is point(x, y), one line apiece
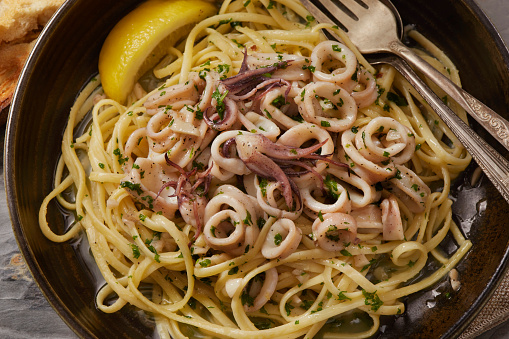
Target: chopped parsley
point(205, 263)
point(372, 299)
point(309, 19)
point(220, 105)
point(246, 299)
point(233, 270)
point(332, 186)
point(121, 159)
point(278, 239)
point(136, 251)
point(263, 182)
point(311, 68)
point(131, 186)
point(289, 308)
point(248, 220)
point(306, 304)
point(320, 216)
point(342, 296)
point(398, 174)
point(346, 253)
point(198, 165)
point(336, 48)
point(398, 100)
point(279, 101)
point(239, 45)
point(260, 222)
point(152, 249)
point(227, 21)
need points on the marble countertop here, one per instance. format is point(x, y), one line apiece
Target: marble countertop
point(25, 313)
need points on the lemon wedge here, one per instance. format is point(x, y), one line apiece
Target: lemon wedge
point(141, 38)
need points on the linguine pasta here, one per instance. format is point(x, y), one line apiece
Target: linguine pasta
point(270, 182)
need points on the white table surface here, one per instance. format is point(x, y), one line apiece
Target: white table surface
point(25, 313)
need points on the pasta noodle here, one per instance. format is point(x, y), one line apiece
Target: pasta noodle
point(270, 183)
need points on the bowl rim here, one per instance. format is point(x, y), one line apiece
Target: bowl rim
point(503, 266)
point(9, 180)
point(56, 303)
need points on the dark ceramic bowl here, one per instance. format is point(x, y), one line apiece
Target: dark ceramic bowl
point(66, 57)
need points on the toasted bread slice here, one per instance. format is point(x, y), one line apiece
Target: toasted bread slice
point(20, 17)
point(20, 24)
point(13, 58)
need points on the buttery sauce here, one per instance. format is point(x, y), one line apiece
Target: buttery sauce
point(468, 194)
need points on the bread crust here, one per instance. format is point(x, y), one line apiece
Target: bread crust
point(20, 17)
point(13, 58)
point(20, 24)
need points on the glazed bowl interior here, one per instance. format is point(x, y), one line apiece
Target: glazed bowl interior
point(66, 57)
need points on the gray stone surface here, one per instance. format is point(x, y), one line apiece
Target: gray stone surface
point(25, 313)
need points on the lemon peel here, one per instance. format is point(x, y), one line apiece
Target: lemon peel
point(142, 37)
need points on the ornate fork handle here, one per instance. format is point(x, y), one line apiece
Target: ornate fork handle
point(486, 117)
point(494, 165)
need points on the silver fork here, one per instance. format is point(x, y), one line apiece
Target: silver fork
point(373, 28)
